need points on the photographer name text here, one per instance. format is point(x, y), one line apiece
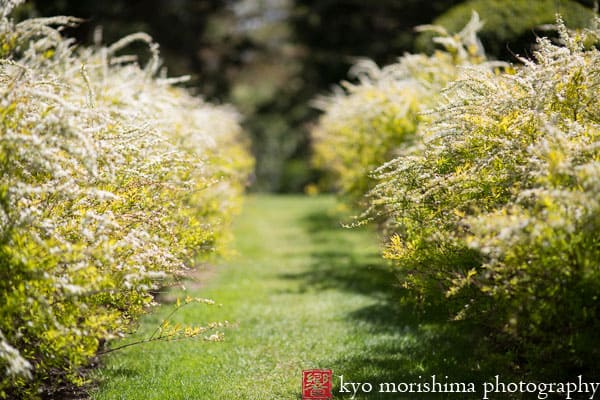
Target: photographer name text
point(577, 387)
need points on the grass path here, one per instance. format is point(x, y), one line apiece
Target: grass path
point(303, 293)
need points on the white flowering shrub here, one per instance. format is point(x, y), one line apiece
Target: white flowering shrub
point(499, 210)
point(487, 187)
point(370, 122)
point(113, 181)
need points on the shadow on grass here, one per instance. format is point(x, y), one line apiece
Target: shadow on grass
point(404, 342)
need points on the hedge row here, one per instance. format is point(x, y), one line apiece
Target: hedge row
point(114, 181)
point(493, 208)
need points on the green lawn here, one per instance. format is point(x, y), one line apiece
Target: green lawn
point(303, 293)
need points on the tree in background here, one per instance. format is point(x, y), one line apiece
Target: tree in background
point(180, 27)
point(511, 27)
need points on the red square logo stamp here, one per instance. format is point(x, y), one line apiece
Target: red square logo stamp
point(316, 384)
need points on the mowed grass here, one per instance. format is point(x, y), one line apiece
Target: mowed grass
point(303, 292)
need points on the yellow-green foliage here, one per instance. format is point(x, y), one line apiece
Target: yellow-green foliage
point(499, 210)
point(113, 181)
point(370, 122)
point(489, 202)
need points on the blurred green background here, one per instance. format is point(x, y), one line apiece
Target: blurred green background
point(270, 58)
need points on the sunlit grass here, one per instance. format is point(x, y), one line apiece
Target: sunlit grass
point(303, 293)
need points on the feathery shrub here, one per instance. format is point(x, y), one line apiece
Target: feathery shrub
point(113, 182)
point(492, 207)
point(499, 209)
point(367, 123)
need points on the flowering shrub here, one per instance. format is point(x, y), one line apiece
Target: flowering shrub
point(372, 121)
point(113, 181)
point(499, 209)
point(490, 203)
